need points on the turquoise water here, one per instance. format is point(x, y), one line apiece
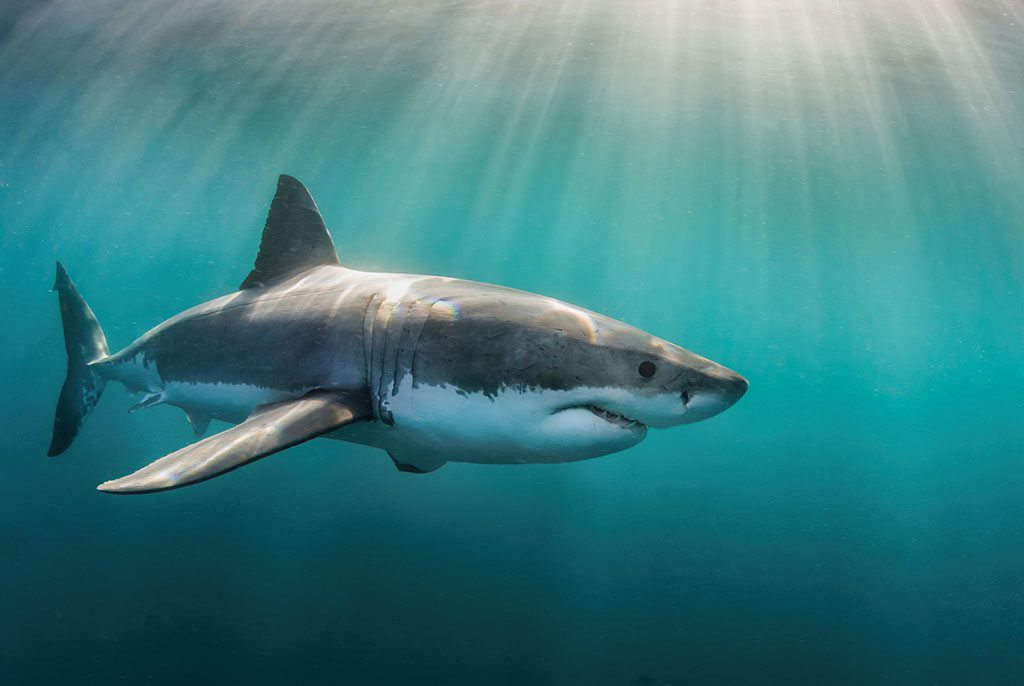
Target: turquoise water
point(826, 196)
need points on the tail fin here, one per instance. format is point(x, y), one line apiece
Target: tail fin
point(85, 344)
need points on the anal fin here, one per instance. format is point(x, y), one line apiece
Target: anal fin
point(268, 430)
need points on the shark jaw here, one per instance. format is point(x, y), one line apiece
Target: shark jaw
point(617, 419)
point(517, 426)
point(529, 425)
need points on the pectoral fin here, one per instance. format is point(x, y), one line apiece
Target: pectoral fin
point(267, 431)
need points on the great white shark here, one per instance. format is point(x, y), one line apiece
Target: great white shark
point(430, 369)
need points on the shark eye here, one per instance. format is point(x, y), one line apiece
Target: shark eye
point(647, 369)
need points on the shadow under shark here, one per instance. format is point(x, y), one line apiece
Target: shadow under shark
point(430, 369)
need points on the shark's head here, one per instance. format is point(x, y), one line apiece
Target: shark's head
point(569, 380)
point(622, 380)
point(629, 373)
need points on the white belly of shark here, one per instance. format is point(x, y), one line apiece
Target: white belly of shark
point(436, 424)
point(232, 402)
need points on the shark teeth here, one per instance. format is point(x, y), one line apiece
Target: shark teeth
point(615, 418)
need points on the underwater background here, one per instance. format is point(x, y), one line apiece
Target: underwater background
point(825, 195)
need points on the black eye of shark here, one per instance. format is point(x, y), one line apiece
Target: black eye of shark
point(647, 369)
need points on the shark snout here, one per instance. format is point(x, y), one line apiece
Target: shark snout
point(732, 386)
point(721, 390)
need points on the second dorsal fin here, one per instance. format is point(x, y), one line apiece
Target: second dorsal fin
point(295, 237)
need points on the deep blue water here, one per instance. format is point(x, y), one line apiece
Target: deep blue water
point(826, 196)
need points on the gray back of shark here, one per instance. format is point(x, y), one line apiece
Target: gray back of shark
point(430, 369)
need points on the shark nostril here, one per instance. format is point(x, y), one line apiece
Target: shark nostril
point(686, 397)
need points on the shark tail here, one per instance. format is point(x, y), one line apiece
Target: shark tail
point(85, 345)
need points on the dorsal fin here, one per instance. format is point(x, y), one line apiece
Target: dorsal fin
point(295, 237)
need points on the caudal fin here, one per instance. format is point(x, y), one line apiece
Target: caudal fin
point(85, 344)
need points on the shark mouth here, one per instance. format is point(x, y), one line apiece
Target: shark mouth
point(616, 418)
